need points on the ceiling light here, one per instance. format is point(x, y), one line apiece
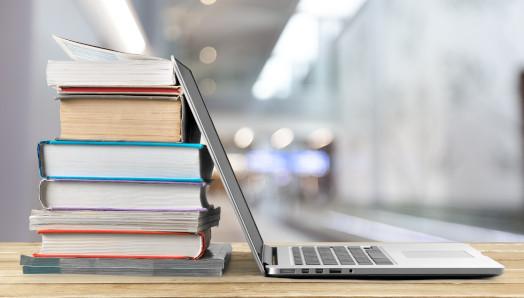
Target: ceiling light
point(320, 138)
point(244, 137)
point(208, 55)
point(299, 40)
point(274, 80)
point(208, 2)
point(297, 47)
point(124, 21)
point(282, 138)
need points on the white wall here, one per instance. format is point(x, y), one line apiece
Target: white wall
point(429, 90)
point(28, 112)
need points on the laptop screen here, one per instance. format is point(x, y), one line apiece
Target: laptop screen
point(206, 126)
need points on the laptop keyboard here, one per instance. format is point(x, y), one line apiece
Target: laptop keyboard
point(339, 255)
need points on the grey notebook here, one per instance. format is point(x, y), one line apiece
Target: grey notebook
point(212, 263)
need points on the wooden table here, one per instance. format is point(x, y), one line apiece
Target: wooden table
point(243, 279)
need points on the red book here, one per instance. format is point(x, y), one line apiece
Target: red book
point(122, 244)
point(167, 90)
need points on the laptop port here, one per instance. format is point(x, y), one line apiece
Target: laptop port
point(305, 270)
point(319, 271)
point(287, 271)
point(335, 270)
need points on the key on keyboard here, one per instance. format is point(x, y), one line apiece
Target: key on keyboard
point(326, 255)
point(378, 256)
point(343, 256)
point(359, 255)
point(310, 255)
point(297, 256)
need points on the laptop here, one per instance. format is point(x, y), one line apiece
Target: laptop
point(336, 259)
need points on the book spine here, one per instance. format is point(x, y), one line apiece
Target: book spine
point(42, 193)
point(203, 196)
point(205, 239)
point(206, 164)
point(190, 131)
point(40, 155)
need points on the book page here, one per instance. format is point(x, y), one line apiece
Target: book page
point(81, 51)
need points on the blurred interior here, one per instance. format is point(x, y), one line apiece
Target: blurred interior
point(387, 120)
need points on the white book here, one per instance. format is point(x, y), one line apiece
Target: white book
point(96, 66)
point(128, 161)
point(171, 221)
point(132, 73)
point(122, 195)
point(127, 244)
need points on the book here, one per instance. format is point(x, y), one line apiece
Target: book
point(137, 161)
point(212, 263)
point(120, 73)
point(170, 221)
point(126, 118)
point(213, 257)
point(122, 244)
point(122, 195)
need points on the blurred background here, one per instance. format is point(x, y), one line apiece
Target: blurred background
point(388, 120)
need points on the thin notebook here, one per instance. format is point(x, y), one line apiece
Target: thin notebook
point(213, 263)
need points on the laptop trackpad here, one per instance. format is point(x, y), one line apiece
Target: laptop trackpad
point(436, 254)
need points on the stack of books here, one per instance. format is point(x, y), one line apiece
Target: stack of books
point(126, 179)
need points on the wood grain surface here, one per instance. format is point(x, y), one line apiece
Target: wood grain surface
point(242, 279)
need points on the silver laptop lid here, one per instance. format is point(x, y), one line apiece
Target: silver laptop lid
point(218, 154)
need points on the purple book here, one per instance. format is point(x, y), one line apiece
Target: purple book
point(123, 195)
point(188, 221)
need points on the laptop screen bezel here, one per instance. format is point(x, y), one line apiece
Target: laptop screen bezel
point(207, 128)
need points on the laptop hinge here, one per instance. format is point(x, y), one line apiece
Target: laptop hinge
point(269, 255)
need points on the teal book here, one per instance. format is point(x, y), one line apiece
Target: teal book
point(213, 263)
point(124, 161)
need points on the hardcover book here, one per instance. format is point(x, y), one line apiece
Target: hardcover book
point(126, 117)
point(122, 244)
point(137, 161)
point(117, 195)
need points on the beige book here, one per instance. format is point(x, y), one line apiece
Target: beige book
point(123, 118)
